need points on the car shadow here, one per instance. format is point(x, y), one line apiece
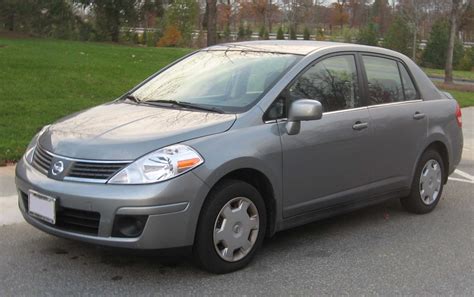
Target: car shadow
point(84, 256)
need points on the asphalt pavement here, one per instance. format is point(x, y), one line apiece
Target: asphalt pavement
point(380, 250)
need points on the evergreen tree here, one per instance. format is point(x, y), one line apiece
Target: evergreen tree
point(434, 54)
point(241, 33)
point(368, 35)
point(306, 34)
point(399, 36)
point(248, 32)
point(280, 34)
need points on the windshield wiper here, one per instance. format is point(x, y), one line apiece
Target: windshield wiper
point(132, 98)
point(186, 105)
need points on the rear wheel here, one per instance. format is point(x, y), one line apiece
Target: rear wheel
point(231, 227)
point(427, 185)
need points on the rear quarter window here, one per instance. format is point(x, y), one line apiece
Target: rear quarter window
point(408, 85)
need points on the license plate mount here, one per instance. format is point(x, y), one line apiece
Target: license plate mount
point(42, 206)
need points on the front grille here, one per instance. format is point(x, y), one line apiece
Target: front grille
point(42, 160)
point(79, 170)
point(88, 170)
point(73, 220)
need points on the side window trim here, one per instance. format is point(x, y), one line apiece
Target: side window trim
point(360, 84)
point(363, 81)
point(401, 81)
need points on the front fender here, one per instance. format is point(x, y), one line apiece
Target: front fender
point(255, 147)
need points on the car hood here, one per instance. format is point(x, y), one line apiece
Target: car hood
point(122, 131)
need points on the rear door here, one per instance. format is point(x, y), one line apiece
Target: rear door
point(398, 121)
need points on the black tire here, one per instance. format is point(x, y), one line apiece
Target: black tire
point(204, 252)
point(413, 202)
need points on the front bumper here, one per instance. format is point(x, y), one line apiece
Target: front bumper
point(172, 207)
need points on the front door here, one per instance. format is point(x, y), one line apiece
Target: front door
point(328, 161)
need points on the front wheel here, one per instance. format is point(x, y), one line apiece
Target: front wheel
point(427, 185)
point(231, 227)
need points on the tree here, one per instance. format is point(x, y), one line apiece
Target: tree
point(241, 33)
point(211, 8)
point(280, 34)
point(412, 14)
point(182, 15)
point(340, 15)
point(381, 14)
point(356, 10)
point(224, 15)
point(398, 36)
point(457, 9)
point(16, 14)
point(306, 34)
point(263, 34)
point(49, 18)
point(248, 32)
point(260, 9)
point(111, 15)
point(368, 35)
point(292, 34)
point(171, 37)
point(435, 54)
point(149, 11)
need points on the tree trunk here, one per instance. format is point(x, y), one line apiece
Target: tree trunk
point(205, 17)
point(229, 18)
point(11, 21)
point(115, 34)
point(448, 69)
point(211, 22)
point(270, 16)
point(414, 44)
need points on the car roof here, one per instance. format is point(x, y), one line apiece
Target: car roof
point(297, 47)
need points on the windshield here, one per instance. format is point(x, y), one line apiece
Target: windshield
point(229, 80)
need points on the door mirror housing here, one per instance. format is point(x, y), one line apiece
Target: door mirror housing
point(302, 110)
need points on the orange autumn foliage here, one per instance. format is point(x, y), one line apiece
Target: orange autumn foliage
point(171, 37)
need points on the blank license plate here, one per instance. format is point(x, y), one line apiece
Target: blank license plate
point(42, 207)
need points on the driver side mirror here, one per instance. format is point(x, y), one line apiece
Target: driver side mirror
point(302, 110)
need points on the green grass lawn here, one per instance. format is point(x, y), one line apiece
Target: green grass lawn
point(457, 74)
point(43, 80)
point(464, 99)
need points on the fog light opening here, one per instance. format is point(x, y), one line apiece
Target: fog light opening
point(128, 225)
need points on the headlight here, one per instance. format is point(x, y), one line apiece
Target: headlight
point(28, 156)
point(159, 165)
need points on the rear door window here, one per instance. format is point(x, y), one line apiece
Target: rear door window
point(383, 78)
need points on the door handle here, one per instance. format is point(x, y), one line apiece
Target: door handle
point(418, 115)
point(360, 126)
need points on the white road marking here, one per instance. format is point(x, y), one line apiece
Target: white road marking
point(467, 178)
point(464, 174)
point(461, 180)
point(9, 211)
